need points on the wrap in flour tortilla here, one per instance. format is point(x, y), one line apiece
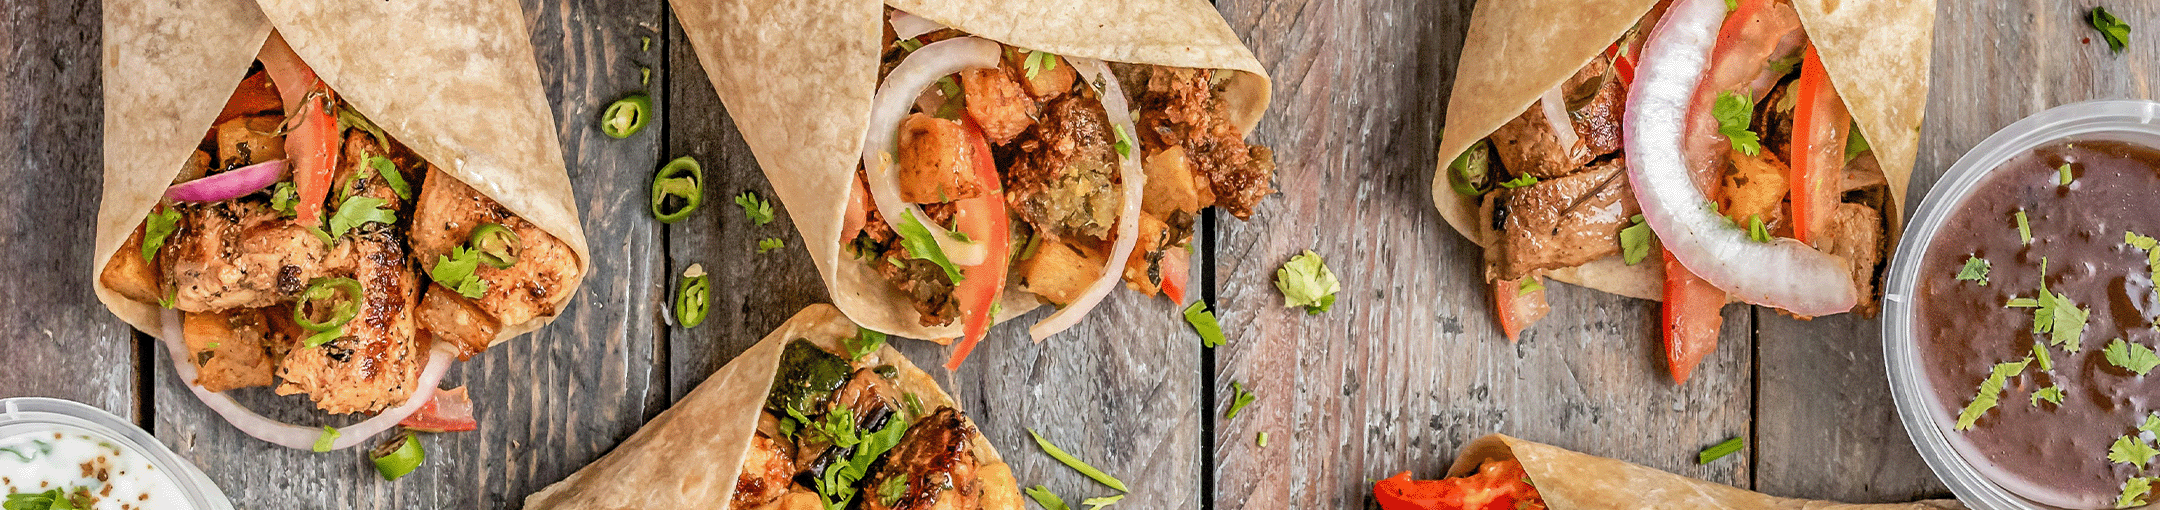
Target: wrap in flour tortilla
point(725, 437)
point(1567, 480)
point(427, 141)
point(800, 79)
point(1876, 53)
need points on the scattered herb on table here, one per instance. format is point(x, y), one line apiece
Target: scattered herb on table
point(1720, 450)
point(756, 208)
point(1098, 503)
point(1239, 399)
point(1076, 464)
point(770, 244)
point(1203, 321)
point(1262, 440)
point(1306, 281)
point(2112, 29)
point(1048, 500)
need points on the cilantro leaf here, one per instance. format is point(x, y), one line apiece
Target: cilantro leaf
point(2040, 353)
point(327, 440)
point(2112, 29)
point(919, 244)
point(157, 227)
point(1048, 500)
point(285, 198)
point(390, 175)
point(890, 491)
point(1734, 113)
point(1990, 393)
point(1521, 181)
point(1306, 281)
point(2132, 450)
point(770, 244)
point(357, 211)
point(866, 341)
point(2133, 357)
point(2057, 316)
point(756, 208)
point(1037, 62)
point(2051, 394)
point(1239, 399)
point(1124, 141)
point(2152, 423)
point(2134, 492)
point(1635, 241)
point(1529, 285)
point(54, 499)
point(456, 272)
point(1203, 321)
point(1756, 231)
point(1976, 269)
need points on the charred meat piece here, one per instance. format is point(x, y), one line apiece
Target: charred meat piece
point(1530, 143)
point(998, 103)
point(533, 287)
point(767, 470)
point(936, 161)
point(1180, 107)
point(1855, 234)
point(1065, 179)
point(924, 282)
point(866, 392)
point(1562, 222)
point(933, 461)
point(228, 348)
point(238, 254)
point(1774, 118)
point(375, 364)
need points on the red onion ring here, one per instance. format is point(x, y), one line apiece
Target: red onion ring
point(229, 185)
point(286, 434)
point(1783, 273)
point(1128, 226)
point(920, 70)
point(909, 26)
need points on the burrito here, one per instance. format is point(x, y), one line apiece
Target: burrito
point(1497, 471)
point(1685, 151)
point(820, 414)
point(307, 212)
point(951, 164)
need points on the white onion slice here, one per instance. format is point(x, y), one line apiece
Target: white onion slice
point(1556, 116)
point(916, 73)
point(295, 436)
point(909, 26)
point(1784, 273)
point(1128, 225)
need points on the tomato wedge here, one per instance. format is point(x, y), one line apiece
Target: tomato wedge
point(983, 220)
point(1498, 485)
point(1518, 309)
point(1176, 267)
point(448, 411)
point(1691, 319)
point(1819, 129)
point(311, 137)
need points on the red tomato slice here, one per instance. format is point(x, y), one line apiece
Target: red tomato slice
point(1176, 269)
point(1518, 309)
point(448, 411)
point(1691, 319)
point(1820, 122)
point(1498, 485)
point(983, 220)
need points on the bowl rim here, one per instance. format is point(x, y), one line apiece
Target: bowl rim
point(189, 481)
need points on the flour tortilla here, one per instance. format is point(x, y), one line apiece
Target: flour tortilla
point(454, 80)
point(714, 425)
point(1574, 481)
point(798, 77)
point(1875, 50)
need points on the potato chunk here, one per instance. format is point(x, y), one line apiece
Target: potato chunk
point(249, 140)
point(129, 274)
point(1061, 269)
point(227, 348)
point(1171, 185)
point(937, 164)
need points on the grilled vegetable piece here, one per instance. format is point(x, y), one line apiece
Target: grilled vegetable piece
point(245, 141)
point(444, 219)
point(227, 348)
point(766, 472)
point(936, 163)
point(238, 254)
point(937, 466)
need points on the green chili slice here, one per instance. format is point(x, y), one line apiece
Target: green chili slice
point(497, 246)
point(626, 116)
point(694, 298)
point(1471, 173)
point(680, 180)
point(338, 297)
point(398, 457)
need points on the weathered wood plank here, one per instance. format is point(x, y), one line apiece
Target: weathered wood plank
point(59, 341)
point(1122, 390)
point(1409, 364)
point(548, 403)
point(1827, 425)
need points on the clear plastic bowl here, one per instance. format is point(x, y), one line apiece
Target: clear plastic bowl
point(2133, 121)
point(27, 414)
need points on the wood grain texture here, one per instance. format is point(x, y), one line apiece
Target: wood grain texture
point(1409, 364)
point(54, 335)
point(549, 402)
point(1122, 390)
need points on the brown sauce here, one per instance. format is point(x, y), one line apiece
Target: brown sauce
point(1963, 329)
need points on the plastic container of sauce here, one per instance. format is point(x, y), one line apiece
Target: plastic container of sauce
point(58, 448)
point(2005, 302)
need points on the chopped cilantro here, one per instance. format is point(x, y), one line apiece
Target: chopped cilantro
point(284, 198)
point(890, 491)
point(1521, 181)
point(1203, 321)
point(1720, 450)
point(2133, 357)
point(2040, 353)
point(1756, 231)
point(1239, 399)
point(2152, 423)
point(919, 244)
point(1990, 392)
point(758, 209)
point(2024, 228)
point(1529, 285)
point(357, 211)
point(2051, 394)
point(1037, 62)
point(1124, 141)
point(327, 440)
point(2056, 315)
point(456, 272)
point(156, 228)
point(1306, 281)
point(1048, 500)
point(2063, 175)
point(866, 341)
point(2134, 492)
point(1262, 440)
point(390, 176)
point(1733, 113)
point(770, 244)
point(2112, 29)
point(1635, 241)
point(1976, 269)
point(2132, 450)
point(52, 499)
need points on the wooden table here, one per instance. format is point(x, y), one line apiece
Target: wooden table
point(1406, 368)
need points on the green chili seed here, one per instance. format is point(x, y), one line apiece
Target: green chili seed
point(682, 179)
point(626, 116)
point(497, 245)
point(338, 296)
point(693, 299)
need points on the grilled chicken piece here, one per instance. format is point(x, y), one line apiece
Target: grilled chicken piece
point(1527, 144)
point(238, 254)
point(1065, 179)
point(1855, 234)
point(357, 174)
point(377, 361)
point(939, 469)
point(936, 161)
point(534, 287)
point(228, 348)
point(1562, 222)
point(767, 472)
point(1050, 79)
point(129, 274)
point(452, 318)
point(998, 103)
point(1181, 107)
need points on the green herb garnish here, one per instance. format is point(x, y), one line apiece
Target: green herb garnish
point(1529, 285)
point(1076, 464)
point(2134, 492)
point(327, 440)
point(1990, 393)
point(1203, 321)
point(1733, 113)
point(1635, 241)
point(1306, 281)
point(2024, 228)
point(1239, 399)
point(157, 227)
point(1521, 181)
point(2112, 29)
point(892, 489)
point(2063, 175)
point(55, 499)
point(919, 244)
point(456, 272)
point(1976, 269)
point(284, 197)
point(1037, 62)
point(866, 341)
point(770, 244)
point(357, 211)
point(755, 207)
point(1048, 500)
point(2132, 450)
point(1124, 141)
point(390, 176)
point(1720, 450)
point(2040, 354)
point(2051, 394)
point(2133, 357)
point(1756, 231)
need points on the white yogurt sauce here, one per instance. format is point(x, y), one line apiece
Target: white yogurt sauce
point(73, 460)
